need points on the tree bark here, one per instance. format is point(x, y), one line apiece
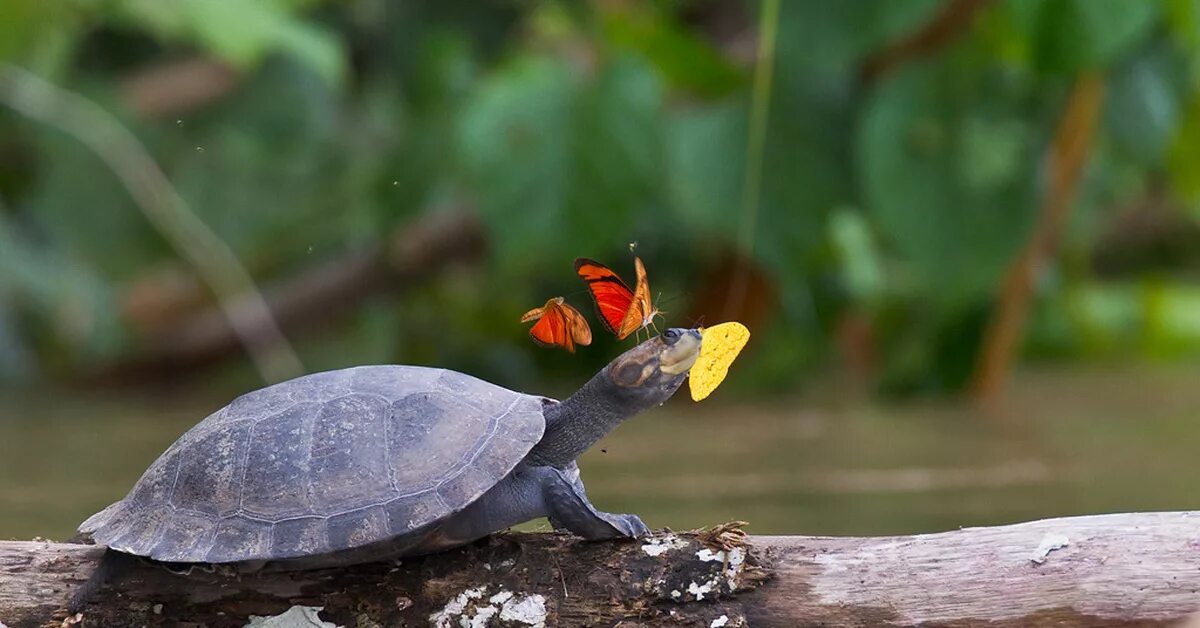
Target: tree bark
point(1104, 570)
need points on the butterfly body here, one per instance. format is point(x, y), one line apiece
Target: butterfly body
point(622, 310)
point(558, 325)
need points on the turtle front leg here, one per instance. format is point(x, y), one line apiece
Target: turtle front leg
point(568, 507)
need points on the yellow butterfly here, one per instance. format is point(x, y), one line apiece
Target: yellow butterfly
point(719, 347)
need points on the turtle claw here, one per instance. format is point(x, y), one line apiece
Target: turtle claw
point(631, 526)
point(619, 526)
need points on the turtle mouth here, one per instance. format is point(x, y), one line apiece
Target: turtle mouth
point(680, 355)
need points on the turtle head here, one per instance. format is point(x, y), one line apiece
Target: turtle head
point(653, 370)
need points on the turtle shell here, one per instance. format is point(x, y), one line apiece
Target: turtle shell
point(324, 463)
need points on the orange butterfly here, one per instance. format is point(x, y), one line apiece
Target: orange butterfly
point(623, 311)
point(558, 325)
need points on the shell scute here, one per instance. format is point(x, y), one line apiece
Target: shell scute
point(299, 537)
point(278, 464)
point(462, 487)
point(238, 538)
point(392, 382)
point(211, 471)
point(348, 458)
point(406, 514)
point(180, 535)
point(426, 451)
point(358, 528)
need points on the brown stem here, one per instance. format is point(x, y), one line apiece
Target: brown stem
point(954, 18)
point(1066, 158)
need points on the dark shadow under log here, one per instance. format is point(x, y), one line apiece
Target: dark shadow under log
point(1104, 570)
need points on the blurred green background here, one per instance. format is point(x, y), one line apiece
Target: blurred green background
point(964, 233)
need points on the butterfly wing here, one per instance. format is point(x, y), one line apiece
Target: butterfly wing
point(612, 295)
point(558, 325)
point(641, 310)
point(719, 347)
point(534, 314)
point(577, 325)
point(551, 331)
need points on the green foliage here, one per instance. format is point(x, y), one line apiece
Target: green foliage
point(948, 164)
point(572, 154)
point(684, 59)
point(577, 129)
point(242, 33)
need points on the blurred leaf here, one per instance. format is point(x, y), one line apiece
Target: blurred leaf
point(29, 26)
point(71, 312)
point(83, 208)
point(832, 37)
point(515, 140)
point(705, 156)
point(1173, 319)
point(242, 33)
point(1075, 35)
point(1143, 104)
point(1183, 20)
point(617, 154)
point(1149, 317)
point(261, 173)
point(551, 153)
point(1183, 161)
point(854, 245)
point(947, 164)
point(1106, 316)
point(684, 59)
point(802, 181)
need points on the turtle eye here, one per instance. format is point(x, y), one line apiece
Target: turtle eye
point(670, 334)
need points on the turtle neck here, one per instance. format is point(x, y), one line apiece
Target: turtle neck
point(576, 423)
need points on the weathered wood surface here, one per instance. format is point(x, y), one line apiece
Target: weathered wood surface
point(1104, 570)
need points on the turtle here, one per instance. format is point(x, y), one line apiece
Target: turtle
point(379, 462)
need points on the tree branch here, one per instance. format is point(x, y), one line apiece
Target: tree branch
point(436, 240)
point(1066, 158)
point(1104, 570)
point(955, 17)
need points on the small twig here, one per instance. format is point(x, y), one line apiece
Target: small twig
point(725, 536)
point(561, 577)
point(951, 22)
point(241, 302)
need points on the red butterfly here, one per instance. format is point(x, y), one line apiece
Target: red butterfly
point(623, 311)
point(558, 325)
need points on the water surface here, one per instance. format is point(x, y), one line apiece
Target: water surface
point(1066, 443)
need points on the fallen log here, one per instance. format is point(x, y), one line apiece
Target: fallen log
point(1103, 570)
